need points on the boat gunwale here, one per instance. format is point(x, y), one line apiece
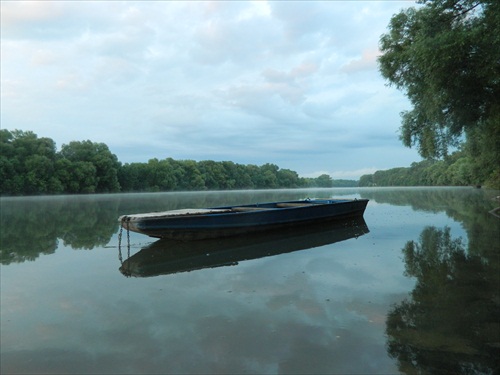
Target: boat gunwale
point(245, 209)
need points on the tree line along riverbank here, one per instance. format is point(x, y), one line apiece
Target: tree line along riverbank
point(455, 170)
point(31, 165)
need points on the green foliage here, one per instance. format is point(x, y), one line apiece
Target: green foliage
point(30, 165)
point(458, 169)
point(26, 163)
point(105, 163)
point(445, 56)
point(325, 181)
point(175, 175)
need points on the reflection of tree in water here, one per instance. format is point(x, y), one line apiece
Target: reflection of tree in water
point(31, 227)
point(450, 325)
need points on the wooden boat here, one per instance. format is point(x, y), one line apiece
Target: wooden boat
point(193, 224)
point(167, 256)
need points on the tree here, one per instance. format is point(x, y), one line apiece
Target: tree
point(324, 181)
point(213, 174)
point(366, 180)
point(288, 178)
point(39, 175)
point(27, 163)
point(106, 164)
point(7, 166)
point(445, 56)
point(192, 178)
point(243, 180)
point(128, 176)
point(76, 177)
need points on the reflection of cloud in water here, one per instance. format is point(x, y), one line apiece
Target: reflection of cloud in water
point(218, 346)
point(286, 314)
point(281, 323)
point(285, 346)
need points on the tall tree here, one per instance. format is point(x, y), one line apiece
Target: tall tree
point(445, 56)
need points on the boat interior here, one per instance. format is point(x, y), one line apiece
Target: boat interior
point(271, 207)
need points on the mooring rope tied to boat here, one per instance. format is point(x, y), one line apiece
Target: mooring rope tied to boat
point(494, 212)
point(120, 234)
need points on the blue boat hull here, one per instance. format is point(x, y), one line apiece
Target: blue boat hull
point(234, 220)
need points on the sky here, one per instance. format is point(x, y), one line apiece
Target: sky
point(293, 83)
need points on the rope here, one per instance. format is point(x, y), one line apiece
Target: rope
point(494, 212)
point(120, 235)
point(120, 258)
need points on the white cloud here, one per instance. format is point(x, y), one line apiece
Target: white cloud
point(295, 83)
point(344, 175)
point(368, 61)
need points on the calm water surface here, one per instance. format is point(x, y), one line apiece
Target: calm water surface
point(412, 289)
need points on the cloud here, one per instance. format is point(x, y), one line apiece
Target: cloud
point(253, 82)
point(30, 11)
point(344, 175)
point(368, 61)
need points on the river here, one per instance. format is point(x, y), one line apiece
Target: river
point(414, 288)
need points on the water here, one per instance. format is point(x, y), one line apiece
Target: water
point(414, 289)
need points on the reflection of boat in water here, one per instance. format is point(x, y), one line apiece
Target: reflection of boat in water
point(167, 256)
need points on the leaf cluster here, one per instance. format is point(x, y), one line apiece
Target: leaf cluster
point(445, 56)
point(30, 165)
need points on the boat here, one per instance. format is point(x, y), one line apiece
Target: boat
point(167, 256)
point(214, 222)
